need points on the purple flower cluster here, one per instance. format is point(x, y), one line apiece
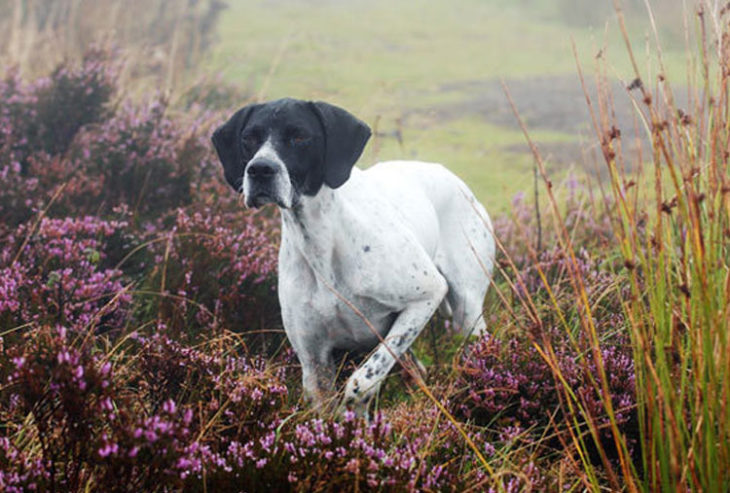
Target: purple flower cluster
point(62, 130)
point(505, 383)
point(165, 432)
point(126, 202)
point(159, 172)
point(38, 123)
point(62, 388)
point(146, 450)
point(219, 267)
point(238, 390)
point(589, 226)
point(314, 455)
point(56, 273)
point(71, 98)
point(131, 279)
point(18, 471)
point(133, 158)
point(508, 383)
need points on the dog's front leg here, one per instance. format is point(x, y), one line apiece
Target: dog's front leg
point(318, 374)
point(315, 357)
point(317, 383)
point(366, 380)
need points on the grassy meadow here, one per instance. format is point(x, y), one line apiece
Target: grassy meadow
point(430, 72)
point(141, 346)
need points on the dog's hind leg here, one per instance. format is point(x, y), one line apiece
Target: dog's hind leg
point(468, 283)
point(465, 257)
point(468, 310)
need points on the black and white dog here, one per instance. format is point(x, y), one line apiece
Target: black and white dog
point(390, 244)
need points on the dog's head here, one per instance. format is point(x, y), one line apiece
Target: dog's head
point(278, 151)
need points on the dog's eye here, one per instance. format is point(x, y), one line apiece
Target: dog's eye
point(250, 141)
point(298, 139)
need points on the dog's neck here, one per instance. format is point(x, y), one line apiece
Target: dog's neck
point(311, 210)
point(309, 226)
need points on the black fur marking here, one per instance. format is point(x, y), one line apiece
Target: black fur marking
point(318, 142)
point(344, 140)
point(366, 248)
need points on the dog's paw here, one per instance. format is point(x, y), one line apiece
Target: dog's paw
point(357, 397)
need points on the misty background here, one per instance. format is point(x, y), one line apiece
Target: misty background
point(425, 75)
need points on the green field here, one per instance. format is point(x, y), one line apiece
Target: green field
point(415, 67)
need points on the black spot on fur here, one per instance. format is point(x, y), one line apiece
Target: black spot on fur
point(366, 248)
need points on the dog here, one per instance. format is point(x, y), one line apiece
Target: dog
point(366, 256)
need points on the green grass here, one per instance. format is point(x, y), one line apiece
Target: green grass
point(382, 59)
point(474, 150)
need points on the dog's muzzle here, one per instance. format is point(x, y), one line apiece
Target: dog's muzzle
point(262, 183)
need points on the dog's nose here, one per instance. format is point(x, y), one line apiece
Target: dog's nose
point(261, 169)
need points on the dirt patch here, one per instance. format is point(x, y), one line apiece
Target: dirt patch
point(552, 103)
point(555, 103)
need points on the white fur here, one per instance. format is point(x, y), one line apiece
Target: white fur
point(395, 241)
point(282, 184)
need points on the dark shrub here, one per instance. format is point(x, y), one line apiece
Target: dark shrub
point(219, 267)
point(69, 99)
point(132, 158)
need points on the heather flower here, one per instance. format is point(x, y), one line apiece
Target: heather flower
point(208, 249)
point(130, 305)
point(20, 472)
point(71, 98)
point(59, 276)
point(38, 121)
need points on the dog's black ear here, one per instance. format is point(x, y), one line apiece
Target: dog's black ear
point(345, 137)
point(226, 140)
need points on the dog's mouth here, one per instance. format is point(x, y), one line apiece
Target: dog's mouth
point(260, 199)
point(261, 194)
